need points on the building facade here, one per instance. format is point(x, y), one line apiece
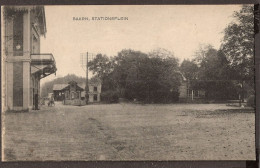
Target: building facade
point(187, 93)
point(23, 65)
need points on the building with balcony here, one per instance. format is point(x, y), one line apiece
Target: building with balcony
point(23, 64)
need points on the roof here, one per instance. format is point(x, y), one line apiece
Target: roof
point(81, 85)
point(59, 86)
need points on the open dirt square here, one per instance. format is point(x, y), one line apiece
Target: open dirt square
point(130, 132)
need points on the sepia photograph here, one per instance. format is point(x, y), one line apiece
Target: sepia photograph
point(128, 83)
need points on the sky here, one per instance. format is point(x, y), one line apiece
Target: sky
point(180, 29)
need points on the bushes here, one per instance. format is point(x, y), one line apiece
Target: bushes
point(110, 96)
point(251, 101)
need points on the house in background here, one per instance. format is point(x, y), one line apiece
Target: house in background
point(23, 63)
point(74, 93)
point(58, 91)
point(94, 88)
point(187, 93)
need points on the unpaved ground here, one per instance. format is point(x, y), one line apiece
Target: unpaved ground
point(131, 132)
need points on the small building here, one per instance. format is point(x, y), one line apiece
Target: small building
point(58, 91)
point(94, 88)
point(187, 93)
point(74, 93)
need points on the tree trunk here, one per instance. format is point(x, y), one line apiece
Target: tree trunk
point(242, 92)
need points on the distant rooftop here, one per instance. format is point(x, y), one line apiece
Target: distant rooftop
point(59, 86)
point(93, 81)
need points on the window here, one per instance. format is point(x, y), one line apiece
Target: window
point(18, 34)
point(95, 97)
point(196, 92)
point(189, 92)
point(95, 89)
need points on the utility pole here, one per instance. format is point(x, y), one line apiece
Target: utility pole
point(86, 87)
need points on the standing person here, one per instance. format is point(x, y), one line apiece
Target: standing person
point(52, 100)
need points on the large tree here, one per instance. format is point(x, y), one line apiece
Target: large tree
point(101, 65)
point(141, 76)
point(213, 74)
point(238, 46)
point(189, 69)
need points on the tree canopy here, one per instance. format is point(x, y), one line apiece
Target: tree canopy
point(238, 43)
point(152, 77)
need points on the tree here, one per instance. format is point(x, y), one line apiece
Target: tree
point(161, 53)
point(137, 75)
point(189, 69)
point(213, 74)
point(200, 54)
point(238, 45)
point(101, 65)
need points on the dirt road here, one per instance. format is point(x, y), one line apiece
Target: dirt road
point(131, 132)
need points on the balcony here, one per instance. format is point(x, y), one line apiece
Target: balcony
point(42, 59)
point(42, 65)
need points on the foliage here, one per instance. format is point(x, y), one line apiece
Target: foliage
point(161, 53)
point(238, 46)
point(189, 69)
point(251, 101)
point(100, 66)
point(214, 66)
point(48, 86)
point(110, 96)
point(212, 74)
point(238, 43)
point(136, 75)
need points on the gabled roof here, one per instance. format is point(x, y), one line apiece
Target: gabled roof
point(81, 86)
point(73, 82)
point(59, 86)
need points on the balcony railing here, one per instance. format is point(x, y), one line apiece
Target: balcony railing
point(42, 59)
point(43, 64)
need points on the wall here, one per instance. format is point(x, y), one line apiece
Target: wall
point(183, 90)
point(17, 67)
point(18, 81)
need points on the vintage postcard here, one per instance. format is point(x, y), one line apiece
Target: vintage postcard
point(124, 83)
